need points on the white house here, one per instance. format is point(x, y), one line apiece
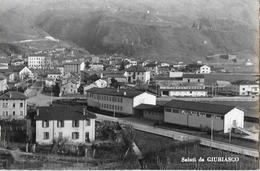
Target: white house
point(118, 100)
point(203, 115)
point(13, 105)
point(244, 88)
point(3, 84)
point(49, 82)
point(136, 74)
point(98, 84)
point(204, 69)
point(54, 74)
point(25, 72)
point(74, 124)
point(69, 88)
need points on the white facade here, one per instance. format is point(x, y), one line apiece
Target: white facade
point(245, 90)
point(188, 93)
point(54, 76)
point(143, 77)
point(39, 62)
point(204, 69)
point(46, 135)
point(3, 84)
point(25, 72)
point(99, 84)
point(233, 119)
point(13, 109)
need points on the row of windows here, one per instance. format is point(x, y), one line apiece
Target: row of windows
point(109, 106)
point(74, 135)
point(5, 105)
point(60, 124)
point(106, 98)
point(200, 114)
point(5, 113)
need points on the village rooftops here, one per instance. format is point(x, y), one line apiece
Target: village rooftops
point(244, 82)
point(150, 65)
point(53, 72)
point(13, 95)
point(72, 63)
point(136, 69)
point(130, 93)
point(199, 106)
point(63, 113)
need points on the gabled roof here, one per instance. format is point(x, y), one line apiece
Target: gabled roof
point(193, 75)
point(63, 113)
point(199, 106)
point(130, 93)
point(136, 69)
point(13, 95)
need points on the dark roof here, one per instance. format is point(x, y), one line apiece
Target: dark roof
point(63, 113)
point(244, 82)
point(199, 106)
point(130, 93)
point(150, 65)
point(193, 75)
point(13, 95)
point(148, 107)
point(136, 69)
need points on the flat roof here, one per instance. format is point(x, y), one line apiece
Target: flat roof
point(130, 93)
point(148, 107)
point(199, 106)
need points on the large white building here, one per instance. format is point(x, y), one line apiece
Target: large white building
point(137, 74)
point(76, 124)
point(39, 62)
point(13, 105)
point(203, 115)
point(118, 100)
point(25, 73)
point(204, 69)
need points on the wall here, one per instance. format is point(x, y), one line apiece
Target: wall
point(144, 98)
point(10, 109)
point(233, 115)
point(157, 116)
point(187, 93)
point(66, 131)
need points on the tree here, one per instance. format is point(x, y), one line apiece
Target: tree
point(56, 90)
point(114, 83)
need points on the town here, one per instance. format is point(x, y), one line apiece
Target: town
point(62, 102)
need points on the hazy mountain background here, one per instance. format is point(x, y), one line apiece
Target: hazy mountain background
point(166, 29)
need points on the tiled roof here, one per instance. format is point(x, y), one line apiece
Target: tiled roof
point(199, 106)
point(63, 113)
point(13, 95)
point(115, 92)
point(244, 82)
point(136, 69)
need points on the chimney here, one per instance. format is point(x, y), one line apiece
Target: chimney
point(124, 93)
point(38, 112)
point(84, 111)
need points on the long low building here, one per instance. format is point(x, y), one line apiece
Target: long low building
point(203, 115)
point(118, 100)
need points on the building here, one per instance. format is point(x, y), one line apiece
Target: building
point(72, 123)
point(54, 74)
point(137, 74)
point(204, 69)
point(244, 88)
point(193, 78)
point(69, 88)
point(13, 105)
point(72, 67)
point(25, 73)
point(118, 100)
point(61, 69)
point(150, 112)
point(203, 115)
point(8, 74)
point(153, 68)
point(3, 84)
point(39, 61)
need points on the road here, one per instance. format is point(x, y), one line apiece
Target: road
point(146, 127)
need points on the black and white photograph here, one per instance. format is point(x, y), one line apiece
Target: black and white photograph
point(129, 84)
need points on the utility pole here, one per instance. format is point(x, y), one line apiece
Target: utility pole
point(114, 107)
point(212, 127)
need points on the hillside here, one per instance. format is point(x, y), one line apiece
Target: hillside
point(167, 29)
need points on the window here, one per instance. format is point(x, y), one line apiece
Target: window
point(60, 135)
point(208, 115)
point(188, 80)
point(198, 80)
point(21, 104)
point(75, 123)
point(46, 135)
point(3, 113)
point(13, 105)
point(87, 122)
point(75, 135)
point(21, 113)
point(13, 113)
point(175, 110)
point(6, 113)
point(167, 110)
point(45, 124)
point(60, 124)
